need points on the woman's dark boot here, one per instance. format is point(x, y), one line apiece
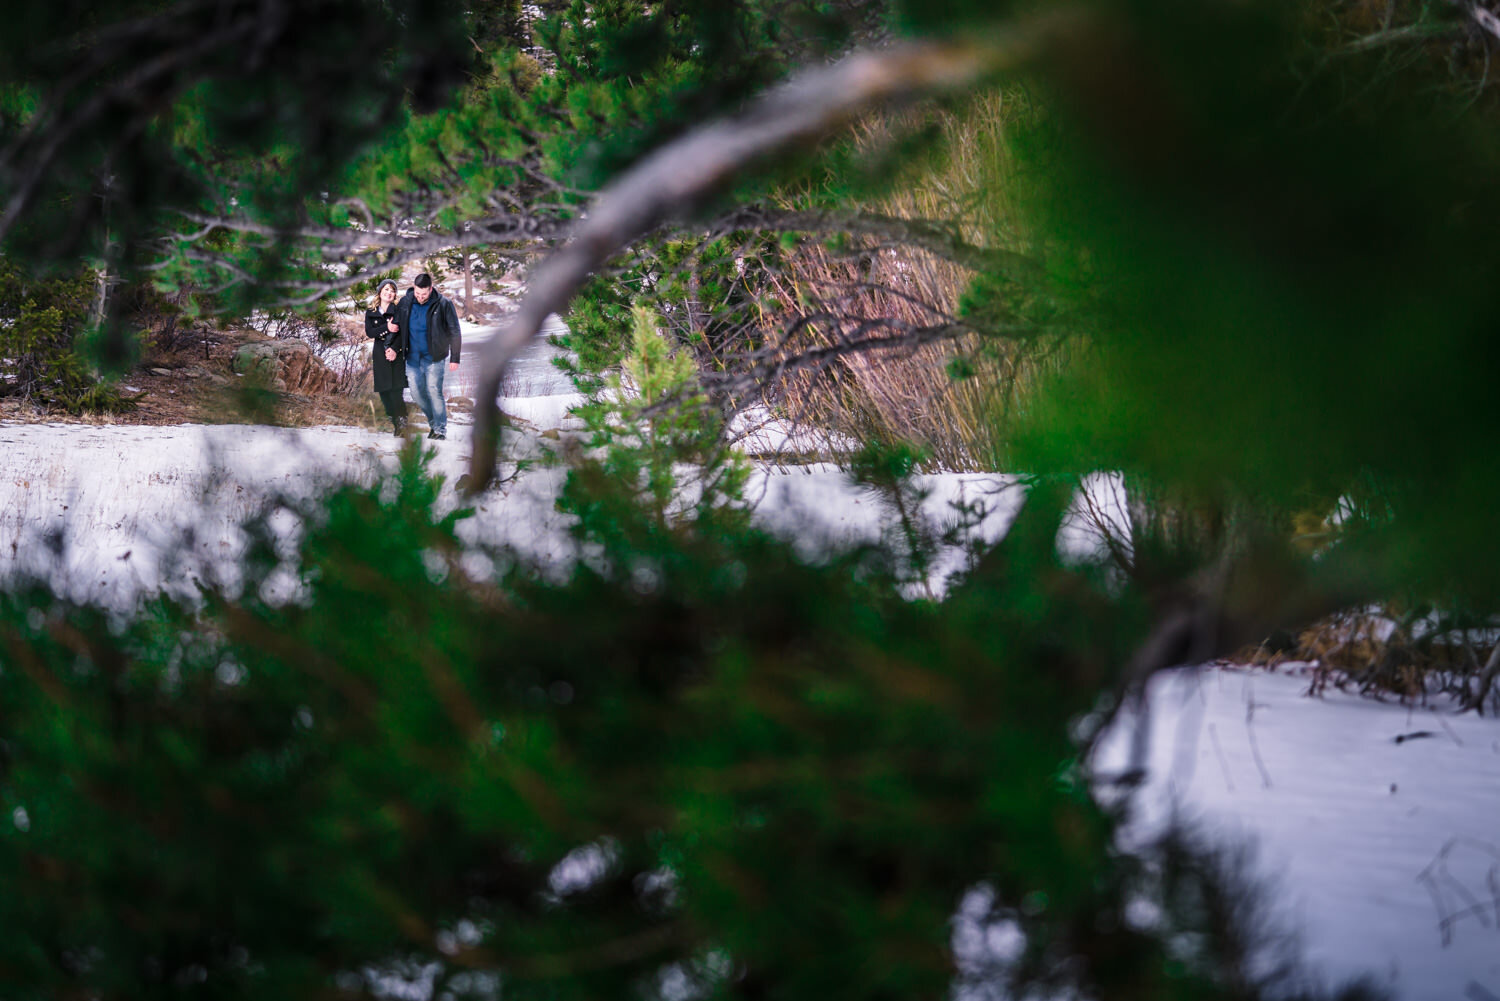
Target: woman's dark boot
point(398, 427)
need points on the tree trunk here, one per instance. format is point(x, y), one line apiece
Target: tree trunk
point(1486, 681)
point(468, 285)
point(101, 301)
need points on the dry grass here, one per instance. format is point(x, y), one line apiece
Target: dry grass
point(901, 390)
point(1388, 650)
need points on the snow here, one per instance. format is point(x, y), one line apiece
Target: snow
point(1098, 516)
point(757, 431)
point(1377, 823)
point(531, 375)
point(343, 355)
point(819, 509)
point(120, 502)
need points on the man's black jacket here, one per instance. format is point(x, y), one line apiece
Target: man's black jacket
point(443, 335)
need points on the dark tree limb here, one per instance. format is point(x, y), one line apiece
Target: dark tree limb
point(874, 335)
point(675, 179)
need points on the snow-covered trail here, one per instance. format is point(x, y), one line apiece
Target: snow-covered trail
point(530, 374)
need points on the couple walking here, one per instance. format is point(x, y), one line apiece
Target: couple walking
point(421, 330)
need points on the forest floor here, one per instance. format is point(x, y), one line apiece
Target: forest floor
point(188, 376)
point(196, 384)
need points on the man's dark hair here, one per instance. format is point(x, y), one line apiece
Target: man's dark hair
point(423, 280)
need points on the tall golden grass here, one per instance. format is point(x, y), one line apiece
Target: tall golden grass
point(902, 391)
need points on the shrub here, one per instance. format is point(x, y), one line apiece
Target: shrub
point(657, 441)
point(43, 326)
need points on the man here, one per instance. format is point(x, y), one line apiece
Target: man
point(427, 324)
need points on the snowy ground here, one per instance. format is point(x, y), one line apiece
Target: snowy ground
point(94, 509)
point(97, 510)
point(1378, 824)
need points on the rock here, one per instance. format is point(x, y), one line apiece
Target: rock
point(462, 404)
point(286, 366)
point(159, 371)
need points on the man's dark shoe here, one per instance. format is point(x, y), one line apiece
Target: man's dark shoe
point(438, 436)
point(431, 435)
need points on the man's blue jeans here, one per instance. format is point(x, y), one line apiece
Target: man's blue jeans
point(426, 379)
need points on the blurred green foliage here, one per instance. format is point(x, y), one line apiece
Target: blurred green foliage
point(700, 765)
point(1287, 268)
point(695, 759)
point(135, 136)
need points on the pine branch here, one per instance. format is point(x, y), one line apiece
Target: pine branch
point(189, 42)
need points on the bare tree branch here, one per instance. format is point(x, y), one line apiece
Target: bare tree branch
point(932, 236)
point(871, 335)
point(1482, 17)
point(676, 178)
point(538, 229)
point(364, 251)
point(1420, 32)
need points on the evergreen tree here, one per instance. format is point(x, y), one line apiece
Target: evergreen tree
point(701, 765)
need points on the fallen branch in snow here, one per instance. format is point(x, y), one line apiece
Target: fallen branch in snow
point(1260, 762)
point(676, 178)
point(1454, 900)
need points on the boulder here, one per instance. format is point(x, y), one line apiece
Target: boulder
point(286, 366)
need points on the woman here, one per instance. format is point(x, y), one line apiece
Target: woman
point(389, 366)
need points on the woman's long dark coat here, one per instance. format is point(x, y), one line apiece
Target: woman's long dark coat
point(388, 374)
